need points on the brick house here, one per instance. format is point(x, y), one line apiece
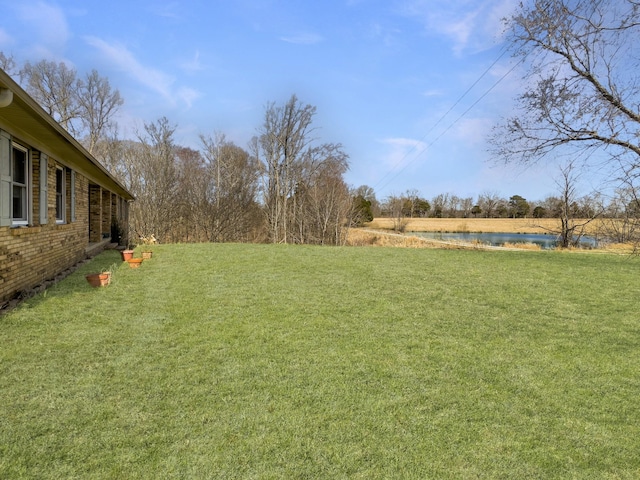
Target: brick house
point(57, 202)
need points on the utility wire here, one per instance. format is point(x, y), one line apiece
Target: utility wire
point(395, 173)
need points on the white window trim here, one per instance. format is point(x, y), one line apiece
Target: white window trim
point(28, 177)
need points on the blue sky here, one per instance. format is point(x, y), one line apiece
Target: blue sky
point(382, 74)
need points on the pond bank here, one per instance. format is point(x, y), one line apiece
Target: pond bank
point(470, 225)
point(545, 242)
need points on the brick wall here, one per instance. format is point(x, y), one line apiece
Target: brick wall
point(31, 255)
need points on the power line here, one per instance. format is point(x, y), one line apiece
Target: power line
point(395, 173)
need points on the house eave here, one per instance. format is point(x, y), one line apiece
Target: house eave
point(24, 119)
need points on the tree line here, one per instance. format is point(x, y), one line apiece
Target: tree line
point(618, 214)
point(411, 204)
point(578, 111)
point(285, 187)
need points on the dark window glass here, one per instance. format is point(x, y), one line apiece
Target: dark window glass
point(59, 194)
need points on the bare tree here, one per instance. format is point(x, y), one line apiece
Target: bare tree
point(621, 218)
point(97, 104)
point(291, 166)
point(8, 64)
point(550, 207)
point(581, 97)
point(451, 206)
point(109, 149)
point(242, 216)
point(284, 137)
point(212, 147)
point(409, 203)
point(232, 212)
point(154, 181)
point(466, 205)
point(328, 202)
point(488, 203)
point(572, 222)
point(84, 107)
point(55, 87)
point(393, 208)
point(438, 204)
point(193, 185)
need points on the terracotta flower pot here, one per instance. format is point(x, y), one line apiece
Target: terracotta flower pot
point(99, 279)
point(126, 255)
point(134, 262)
point(147, 255)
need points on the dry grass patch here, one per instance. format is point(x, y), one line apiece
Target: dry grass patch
point(472, 225)
point(523, 246)
point(359, 237)
point(362, 237)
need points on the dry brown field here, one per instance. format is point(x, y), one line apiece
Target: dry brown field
point(472, 225)
point(380, 232)
point(359, 237)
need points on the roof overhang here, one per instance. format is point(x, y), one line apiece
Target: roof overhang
point(24, 119)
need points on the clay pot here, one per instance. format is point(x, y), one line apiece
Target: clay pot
point(99, 279)
point(134, 262)
point(126, 255)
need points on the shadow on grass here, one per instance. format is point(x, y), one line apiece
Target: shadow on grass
point(108, 260)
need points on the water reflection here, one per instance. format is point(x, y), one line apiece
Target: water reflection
point(499, 239)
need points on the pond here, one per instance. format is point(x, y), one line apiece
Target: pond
point(499, 239)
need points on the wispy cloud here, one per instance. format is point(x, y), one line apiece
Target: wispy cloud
point(459, 30)
point(307, 38)
point(152, 78)
point(402, 151)
point(188, 95)
point(193, 64)
point(477, 29)
point(473, 131)
point(120, 56)
point(432, 93)
point(387, 35)
point(168, 10)
point(48, 25)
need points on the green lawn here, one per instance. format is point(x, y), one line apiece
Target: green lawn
point(262, 361)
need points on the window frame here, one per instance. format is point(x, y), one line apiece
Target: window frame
point(72, 195)
point(61, 195)
point(26, 219)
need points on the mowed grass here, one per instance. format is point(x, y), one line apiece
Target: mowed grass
point(263, 361)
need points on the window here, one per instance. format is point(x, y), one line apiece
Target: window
point(72, 186)
point(60, 195)
point(15, 183)
point(44, 188)
point(20, 169)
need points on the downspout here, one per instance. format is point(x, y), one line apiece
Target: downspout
point(6, 97)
